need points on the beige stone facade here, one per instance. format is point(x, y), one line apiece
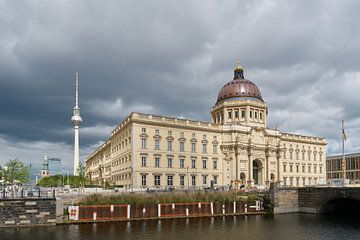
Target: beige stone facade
point(236, 148)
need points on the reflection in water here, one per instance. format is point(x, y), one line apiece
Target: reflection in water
point(290, 226)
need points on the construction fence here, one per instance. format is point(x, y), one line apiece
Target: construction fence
point(165, 210)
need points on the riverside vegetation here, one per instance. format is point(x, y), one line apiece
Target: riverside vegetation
point(180, 197)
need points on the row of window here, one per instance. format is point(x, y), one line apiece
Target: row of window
point(181, 146)
point(181, 164)
point(236, 113)
point(170, 180)
point(305, 181)
point(336, 164)
point(297, 168)
point(303, 152)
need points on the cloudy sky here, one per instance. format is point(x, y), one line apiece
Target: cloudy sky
point(171, 58)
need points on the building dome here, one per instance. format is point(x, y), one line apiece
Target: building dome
point(239, 88)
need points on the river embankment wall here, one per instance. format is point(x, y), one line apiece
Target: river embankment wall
point(29, 212)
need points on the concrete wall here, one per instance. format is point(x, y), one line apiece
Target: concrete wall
point(27, 212)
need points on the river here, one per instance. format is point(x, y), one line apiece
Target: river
point(280, 227)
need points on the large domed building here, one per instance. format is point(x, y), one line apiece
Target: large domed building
point(235, 149)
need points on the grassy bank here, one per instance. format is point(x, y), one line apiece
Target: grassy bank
point(153, 198)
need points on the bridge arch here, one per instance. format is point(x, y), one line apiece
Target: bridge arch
point(340, 206)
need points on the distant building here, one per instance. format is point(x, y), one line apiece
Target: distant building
point(334, 170)
point(51, 167)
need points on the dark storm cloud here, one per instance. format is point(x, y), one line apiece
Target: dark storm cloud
point(171, 58)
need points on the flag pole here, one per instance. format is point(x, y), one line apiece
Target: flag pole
point(343, 163)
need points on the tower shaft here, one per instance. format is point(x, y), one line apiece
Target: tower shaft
point(76, 121)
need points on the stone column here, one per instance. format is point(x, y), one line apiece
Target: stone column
point(250, 169)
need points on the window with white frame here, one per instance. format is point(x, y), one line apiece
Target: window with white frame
point(143, 143)
point(170, 180)
point(214, 148)
point(182, 147)
point(157, 180)
point(193, 180)
point(157, 162)
point(157, 144)
point(204, 148)
point(143, 161)
point(204, 177)
point(193, 163)
point(143, 180)
point(182, 163)
point(204, 163)
point(170, 162)
point(182, 180)
point(214, 164)
point(169, 145)
point(193, 147)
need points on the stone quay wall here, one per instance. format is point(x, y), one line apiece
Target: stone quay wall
point(28, 212)
point(284, 200)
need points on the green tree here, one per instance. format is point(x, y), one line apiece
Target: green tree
point(15, 171)
point(51, 181)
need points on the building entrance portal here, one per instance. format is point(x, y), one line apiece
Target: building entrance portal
point(257, 172)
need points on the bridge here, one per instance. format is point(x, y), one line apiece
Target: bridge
point(320, 200)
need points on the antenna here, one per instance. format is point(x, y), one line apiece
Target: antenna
point(76, 89)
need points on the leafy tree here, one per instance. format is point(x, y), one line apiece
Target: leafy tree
point(51, 181)
point(15, 171)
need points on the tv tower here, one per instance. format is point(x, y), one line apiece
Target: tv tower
point(76, 121)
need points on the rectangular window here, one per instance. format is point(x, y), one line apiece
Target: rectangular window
point(143, 161)
point(243, 113)
point(204, 148)
point(157, 180)
point(297, 168)
point(256, 115)
point(214, 164)
point(170, 162)
point(229, 115)
point(157, 144)
point(314, 156)
point(303, 155)
point(204, 163)
point(215, 179)
point(315, 169)
point(309, 169)
point(303, 168)
point(169, 133)
point(157, 131)
point(182, 163)
point(143, 130)
point(169, 145)
point(193, 163)
point(143, 143)
point(204, 177)
point(193, 180)
point(250, 114)
point(182, 180)
point(157, 162)
point(143, 180)
point(182, 147)
point(291, 155)
point(170, 180)
point(193, 147)
point(236, 114)
point(291, 167)
point(260, 116)
point(284, 167)
point(304, 181)
point(320, 169)
point(214, 148)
